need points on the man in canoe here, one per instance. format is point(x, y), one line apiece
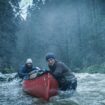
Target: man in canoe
point(28, 71)
point(64, 76)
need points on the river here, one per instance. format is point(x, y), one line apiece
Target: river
point(90, 91)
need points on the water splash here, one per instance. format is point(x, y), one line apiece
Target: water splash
point(90, 91)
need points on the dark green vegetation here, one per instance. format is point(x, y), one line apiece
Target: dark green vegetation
point(72, 29)
point(8, 28)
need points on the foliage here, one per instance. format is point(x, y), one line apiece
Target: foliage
point(8, 29)
point(7, 70)
point(72, 29)
point(94, 69)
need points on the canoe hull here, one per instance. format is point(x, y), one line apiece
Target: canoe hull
point(44, 86)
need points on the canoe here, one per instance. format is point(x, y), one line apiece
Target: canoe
point(44, 86)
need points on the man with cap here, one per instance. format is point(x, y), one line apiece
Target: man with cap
point(27, 69)
point(61, 72)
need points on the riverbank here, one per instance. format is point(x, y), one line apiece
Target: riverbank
point(94, 69)
point(97, 68)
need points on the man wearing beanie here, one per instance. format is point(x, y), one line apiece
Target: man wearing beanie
point(61, 72)
point(27, 69)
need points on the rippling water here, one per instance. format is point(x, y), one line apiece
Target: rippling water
point(90, 91)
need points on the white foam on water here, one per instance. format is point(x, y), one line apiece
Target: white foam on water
point(90, 91)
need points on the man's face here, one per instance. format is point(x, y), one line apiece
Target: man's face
point(29, 65)
point(51, 61)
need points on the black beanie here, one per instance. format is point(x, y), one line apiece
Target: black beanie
point(50, 55)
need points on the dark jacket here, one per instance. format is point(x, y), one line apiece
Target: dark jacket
point(24, 71)
point(62, 73)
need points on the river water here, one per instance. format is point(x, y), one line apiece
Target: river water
point(90, 91)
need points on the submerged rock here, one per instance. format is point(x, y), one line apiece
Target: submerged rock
point(2, 77)
point(8, 77)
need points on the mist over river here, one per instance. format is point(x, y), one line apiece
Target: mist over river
point(74, 30)
point(90, 91)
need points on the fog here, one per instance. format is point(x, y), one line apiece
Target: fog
point(72, 29)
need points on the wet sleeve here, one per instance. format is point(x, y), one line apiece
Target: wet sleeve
point(66, 69)
point(59, 71)
point(63, 70)
point(22, 72)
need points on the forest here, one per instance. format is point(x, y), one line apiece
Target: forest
point(74, 30)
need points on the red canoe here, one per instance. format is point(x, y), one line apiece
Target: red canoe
point(43, 87)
